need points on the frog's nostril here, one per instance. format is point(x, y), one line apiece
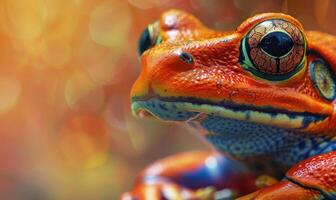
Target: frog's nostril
point(186, 57)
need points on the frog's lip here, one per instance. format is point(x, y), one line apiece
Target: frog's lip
point(193, 107)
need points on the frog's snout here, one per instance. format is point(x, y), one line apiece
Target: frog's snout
point(160, 66)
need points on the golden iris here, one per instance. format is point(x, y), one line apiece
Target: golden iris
point(323, 79)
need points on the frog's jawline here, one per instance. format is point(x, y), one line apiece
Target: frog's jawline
point(307, 118)
point(241, 138)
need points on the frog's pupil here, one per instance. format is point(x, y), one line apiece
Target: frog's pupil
point(145, 42)
point(277, 44)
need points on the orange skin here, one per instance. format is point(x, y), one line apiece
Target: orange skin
point(221, 78)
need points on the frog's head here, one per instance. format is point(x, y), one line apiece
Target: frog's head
point(264, 72)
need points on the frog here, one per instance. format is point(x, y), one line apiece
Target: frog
point(263, 97)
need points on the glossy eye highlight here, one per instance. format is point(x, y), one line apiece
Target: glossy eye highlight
point(323, 79)
point(149, 38)
point(273, 49)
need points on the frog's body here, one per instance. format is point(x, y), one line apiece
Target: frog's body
point(263, 95)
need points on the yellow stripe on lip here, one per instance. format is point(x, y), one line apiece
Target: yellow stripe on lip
point(261, 116)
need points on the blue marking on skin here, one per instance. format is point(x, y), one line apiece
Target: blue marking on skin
point(166, 111)
point(325, 147)
point(248, 115)
point(307, 120)
point(163, 107)
point(245, 140)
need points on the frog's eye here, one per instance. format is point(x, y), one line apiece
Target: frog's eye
point(149, 38)
point(323, 79)
point(274, 50)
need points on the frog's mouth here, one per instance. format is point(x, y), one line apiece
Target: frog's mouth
point(188, 109)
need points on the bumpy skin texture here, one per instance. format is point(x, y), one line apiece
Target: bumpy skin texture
point(195, 74)
point(318, 172)
point(313, 178)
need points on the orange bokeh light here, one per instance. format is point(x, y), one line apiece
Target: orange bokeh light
point(66, 70)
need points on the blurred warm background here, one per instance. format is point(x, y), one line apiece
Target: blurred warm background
point(66, 69)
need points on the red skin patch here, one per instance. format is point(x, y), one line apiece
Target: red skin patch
point(316, 172)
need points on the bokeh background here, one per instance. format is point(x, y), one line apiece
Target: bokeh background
point(66, 69)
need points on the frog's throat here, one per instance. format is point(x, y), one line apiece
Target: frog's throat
point(242, 131)
point(184, 109)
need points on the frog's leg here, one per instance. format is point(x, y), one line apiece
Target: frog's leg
point(313, 178)
point(183, 176)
